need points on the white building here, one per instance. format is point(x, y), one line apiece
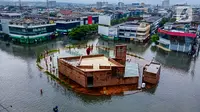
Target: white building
point(134, 31)
point(138, 31)
point(165, 4)
point(102, 4)
point(120, 4)
point(105, 29)
point(183, 14)
point(5, 19)
point(52, 4)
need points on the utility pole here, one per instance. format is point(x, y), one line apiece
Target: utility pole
point(48, 9)
point(20, 6)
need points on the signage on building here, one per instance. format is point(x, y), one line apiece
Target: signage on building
point(89, 19)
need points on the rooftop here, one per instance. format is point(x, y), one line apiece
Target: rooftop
point(134, 24)
point(66, 12)
point(152, 68)
point(131, 70)
point(184, 30)
point(29, 22)
point(152, 19)
point(92, 62)
point(10, 14)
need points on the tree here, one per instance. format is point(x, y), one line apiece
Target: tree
point(163, 21)
point(81, 32)
point(52, 14)
point(154, 38)
point(172, 20)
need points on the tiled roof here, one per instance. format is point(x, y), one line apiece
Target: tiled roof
point(66, 12)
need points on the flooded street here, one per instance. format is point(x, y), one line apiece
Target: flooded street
point(21, 81)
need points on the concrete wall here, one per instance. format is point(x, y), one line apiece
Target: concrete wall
point(5, 25)
point(109, 77)
point(105, 78)
point(151, 77)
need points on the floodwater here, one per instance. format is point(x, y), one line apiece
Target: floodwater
point(21, 81)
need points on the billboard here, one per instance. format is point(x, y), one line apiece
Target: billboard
point(103, 30)
point(104, 20)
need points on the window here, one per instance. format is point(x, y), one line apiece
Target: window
point(141, 31)
point(121, 33)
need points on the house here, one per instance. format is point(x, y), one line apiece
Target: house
point(64, 13)
point(177, 37)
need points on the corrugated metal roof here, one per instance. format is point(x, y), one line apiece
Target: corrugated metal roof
point(132, 70)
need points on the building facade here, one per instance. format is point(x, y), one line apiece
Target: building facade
point(101, 4)
point(31, 30)
point(177, 38)
point(134, 31)
point(5, 18)
point(154, 23)
point(52, 4)
point(165, 4)
point(121, 4)
point(64, 26)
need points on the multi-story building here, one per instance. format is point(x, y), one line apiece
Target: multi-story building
point(165, 3)
point(177, 37)
point(5, 18)
point(138, 11)
point(154, 23)
point(101, 4)
point(121, 4)
point(183, 13)
point(105, 29)
point(66, 25)
point(134, 31)
point(31, 30)
point(52, 4)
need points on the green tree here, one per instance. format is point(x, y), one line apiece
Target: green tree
point(172, 20)
point(81, 32)
point(52, 14)
point(154, 38)
point(163, 21)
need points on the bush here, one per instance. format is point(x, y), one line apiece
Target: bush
point(164, 20)
point(154, 38)
point(81, 32)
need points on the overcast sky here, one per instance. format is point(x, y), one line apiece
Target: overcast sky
point(194, 2)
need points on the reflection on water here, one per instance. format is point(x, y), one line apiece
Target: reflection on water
point(20, 82)
point(174, 59)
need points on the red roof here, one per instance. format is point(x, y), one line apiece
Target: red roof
point(66, 12)
point(181, 34)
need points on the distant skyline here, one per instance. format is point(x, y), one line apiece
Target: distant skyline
point(192, 2)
